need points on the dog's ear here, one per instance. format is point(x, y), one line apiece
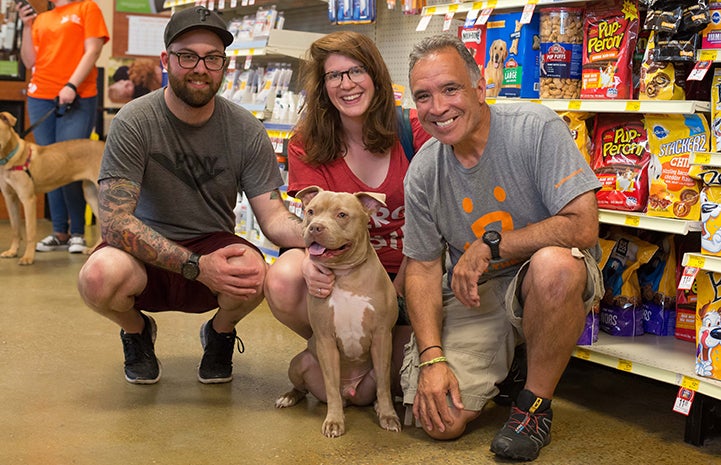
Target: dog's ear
point(306, 195)
point(8, 118)
point(371, 201)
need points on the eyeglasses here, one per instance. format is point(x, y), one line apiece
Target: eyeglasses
point(355, 74)
point(190, 60)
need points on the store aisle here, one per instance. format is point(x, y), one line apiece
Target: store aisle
point(65, 400)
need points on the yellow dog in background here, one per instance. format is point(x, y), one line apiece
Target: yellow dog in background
point(28, 169)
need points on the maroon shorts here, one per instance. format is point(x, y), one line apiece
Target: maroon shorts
point(168, 291)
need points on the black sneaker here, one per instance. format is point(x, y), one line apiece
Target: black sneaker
point(216, 366)
point(141, 365)
point(516, 379)
point(527, 430)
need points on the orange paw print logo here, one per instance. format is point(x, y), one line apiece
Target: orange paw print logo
point(498, 216)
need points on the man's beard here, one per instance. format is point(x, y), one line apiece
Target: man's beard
point(192, 97)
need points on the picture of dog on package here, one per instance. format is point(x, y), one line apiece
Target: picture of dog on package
point(493, 74)
point(710, 223)
point(708, 341)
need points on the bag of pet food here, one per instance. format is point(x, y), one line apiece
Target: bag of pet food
point(671, 139)
point(620, 160)
point(708, 325)
point(610, 33)
point(657, 279)
point(590, 328)
point(621, 313)
point(577, 123)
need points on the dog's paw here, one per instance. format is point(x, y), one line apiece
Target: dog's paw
point(26, 261)
point(8, 254)
point(333, 428)
point(289, 399)
point(390, 422)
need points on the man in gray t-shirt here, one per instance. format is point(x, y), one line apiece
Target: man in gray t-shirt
point(504, 190)
point(174, 163)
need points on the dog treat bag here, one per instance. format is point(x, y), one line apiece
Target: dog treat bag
point(576, 121)
point(708, 325)
point(610, 32)
point(671, 139)
point(657, 279)
point(620, 160)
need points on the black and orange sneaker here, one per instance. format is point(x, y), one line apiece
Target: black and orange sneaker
point(527, 430)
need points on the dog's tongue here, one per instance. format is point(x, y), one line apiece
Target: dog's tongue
point(316, 249)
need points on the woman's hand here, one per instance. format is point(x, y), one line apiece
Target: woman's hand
point(27, 14)
point(318, 279)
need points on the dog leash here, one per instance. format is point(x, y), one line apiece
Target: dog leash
point(55, 110)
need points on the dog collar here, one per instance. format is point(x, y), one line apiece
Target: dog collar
point(25, 166)
point(12, 153)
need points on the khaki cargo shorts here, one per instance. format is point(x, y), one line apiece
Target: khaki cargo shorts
point(479, 342)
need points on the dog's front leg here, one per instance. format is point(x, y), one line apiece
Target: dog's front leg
point(29, 208)
point(329, 360)
point(381, 354)
point(12, 205)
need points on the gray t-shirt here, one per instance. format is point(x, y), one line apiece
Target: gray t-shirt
point(530, 169)
point(189, 175)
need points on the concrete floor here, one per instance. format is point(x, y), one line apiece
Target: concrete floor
point(65, 400)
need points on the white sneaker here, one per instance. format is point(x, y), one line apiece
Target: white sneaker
point(76, 244)
point(51, 244)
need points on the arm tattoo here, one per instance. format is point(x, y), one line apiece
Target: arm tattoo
point(122, 229)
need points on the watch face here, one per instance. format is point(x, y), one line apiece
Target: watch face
point(492, 236)
point(190, 271)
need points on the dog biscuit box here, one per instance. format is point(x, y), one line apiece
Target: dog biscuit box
point(513, 50)
point(474, 38)
point(708, 325)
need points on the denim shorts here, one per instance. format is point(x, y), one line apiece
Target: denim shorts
point(479, 342)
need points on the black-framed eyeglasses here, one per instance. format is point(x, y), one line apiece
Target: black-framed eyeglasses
point(355, 74)
point(189, 60)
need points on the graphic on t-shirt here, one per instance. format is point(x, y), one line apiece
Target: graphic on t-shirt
point(192, 171)
point(498, 216)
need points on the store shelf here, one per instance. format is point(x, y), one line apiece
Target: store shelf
point(290, 43)
point(663, 358)
point(705, 158)
point(617, 106)
point(703, 262)
point(497, 4)
point(652, 223)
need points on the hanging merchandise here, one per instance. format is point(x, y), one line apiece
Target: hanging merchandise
point(351, 11)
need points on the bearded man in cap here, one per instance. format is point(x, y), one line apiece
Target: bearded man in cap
point(174, 163)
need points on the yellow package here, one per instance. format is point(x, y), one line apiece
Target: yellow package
point(576, 121)
point(708, 325)
point(673, 193)
point(711, 219)
point(716, 110)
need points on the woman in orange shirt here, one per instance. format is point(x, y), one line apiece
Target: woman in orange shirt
point(61, 46)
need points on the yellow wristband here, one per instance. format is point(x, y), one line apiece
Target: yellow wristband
point(433, 361)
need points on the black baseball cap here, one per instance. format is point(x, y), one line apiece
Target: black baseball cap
point(197, 17)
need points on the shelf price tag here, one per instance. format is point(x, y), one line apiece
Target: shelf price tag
point(684, 400)
point(625, 365)
point(528, 12)
point(423, 23)
point(471, 18)
point(707, 55)
point(583, 354)
point(687, 278)
point(632, 221)
point(690, 383)
point(574, 105)
point(701, 158)
point(633, 105)
point(485, 14)
point(699, 70)
point(447, 20)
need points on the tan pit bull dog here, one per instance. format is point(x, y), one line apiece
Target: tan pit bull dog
point(28, 169)
point(352, 326)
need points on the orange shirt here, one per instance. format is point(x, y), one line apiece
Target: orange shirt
point(58, 36)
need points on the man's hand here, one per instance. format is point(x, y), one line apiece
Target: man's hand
point(233, 270)
point(430, 406)
point(468, 271)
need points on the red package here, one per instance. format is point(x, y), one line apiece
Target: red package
point(610, 31)
point(620, 160)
